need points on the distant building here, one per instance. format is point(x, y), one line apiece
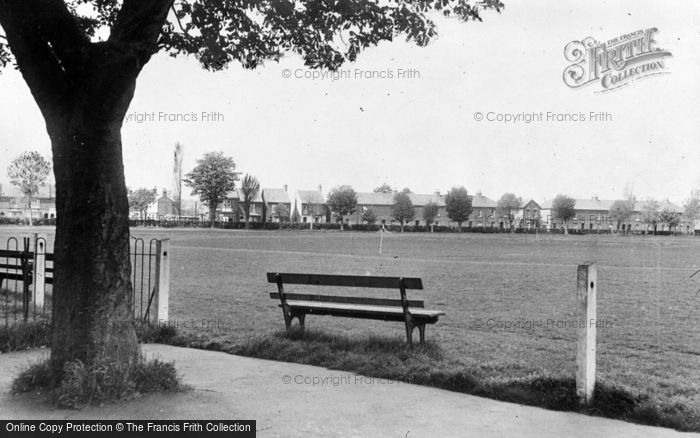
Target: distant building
point(166, 206)
point(13, 203)
point(381, 205)
point(311, 206)
point(483, 212)
point(594, 214)
point(278, 207)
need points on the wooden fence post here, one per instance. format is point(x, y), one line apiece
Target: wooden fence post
point(586, 285)
point(39, 279)
point(162, 280)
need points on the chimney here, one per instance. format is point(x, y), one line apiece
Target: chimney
point(320, 188)
point(437, 192)
point(285, 187)
point(479, 194)
point(165, 193)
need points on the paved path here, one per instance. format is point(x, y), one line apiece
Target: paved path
point(317, 402)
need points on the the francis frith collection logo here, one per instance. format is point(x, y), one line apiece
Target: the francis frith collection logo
point(616, 62)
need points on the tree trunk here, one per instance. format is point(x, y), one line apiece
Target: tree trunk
point(212, 213)
point(246, 213)
point(92, 314)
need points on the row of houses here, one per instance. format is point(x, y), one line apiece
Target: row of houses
point(14, 205)
point(309, 206)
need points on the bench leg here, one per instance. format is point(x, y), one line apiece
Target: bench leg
point(287, 318)
point(409, 334)
point(301, 317)
point(421, 329)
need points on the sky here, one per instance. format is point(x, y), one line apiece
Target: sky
point(406, 115)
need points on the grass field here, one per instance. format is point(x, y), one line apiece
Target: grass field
point(650, 307)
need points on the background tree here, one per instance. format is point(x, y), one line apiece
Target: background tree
point(212, 178)
point(342, 201)
point(691, 208)
point(670, 218)
point(368, 216)
point(282, 211)
point(458, 204)
point(140, 199)
point(296, 217)
point(650, 214)
point(430, 213)
point(564, 209)
point(619, 211)
point(507, 206)
point(250, 187)
point(81, 59)
point(384, 188)
point(402, 210)
point(177, 178)
point(29, 171)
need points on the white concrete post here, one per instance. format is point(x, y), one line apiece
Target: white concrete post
point(39, 274)
point(586, 285)
point(162, 280)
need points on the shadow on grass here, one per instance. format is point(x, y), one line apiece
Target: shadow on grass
point(426, 365)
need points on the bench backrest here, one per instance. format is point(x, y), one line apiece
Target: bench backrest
point(346, 280)
point(361, 281)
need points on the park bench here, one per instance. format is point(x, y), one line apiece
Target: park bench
point(410, 312)
point(18, 265)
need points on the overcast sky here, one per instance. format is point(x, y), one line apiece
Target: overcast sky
point(420, 131)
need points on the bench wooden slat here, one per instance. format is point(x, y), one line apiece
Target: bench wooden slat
point(12, 276)
point(340, 307)
point(347, 300)
point(11, 253)
point(381, 313)
point(345, 280)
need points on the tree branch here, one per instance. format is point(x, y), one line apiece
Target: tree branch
point(140, 22)
point(179, 23)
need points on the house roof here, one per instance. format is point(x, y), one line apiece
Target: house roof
point(531, 201)
point(372, 198)
point(276, 196)
point(238, 194)
point(310, 197)
point(420, 200)
point(595, 204)
point(481, 201)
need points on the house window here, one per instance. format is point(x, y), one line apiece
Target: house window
point(304, 219)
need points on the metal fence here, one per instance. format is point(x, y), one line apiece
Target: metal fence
point(26, 279)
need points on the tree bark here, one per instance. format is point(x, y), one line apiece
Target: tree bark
point(92, 313)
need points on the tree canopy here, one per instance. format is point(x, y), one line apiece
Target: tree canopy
point(430, 212)
point(250, 187)
point(218, 32)
point(342, 201)
point(212, 179)
point(29, 171)
point(140, 199)
point(459, 205)
point(506, 207)
point(564, 209)
point(402, 210)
